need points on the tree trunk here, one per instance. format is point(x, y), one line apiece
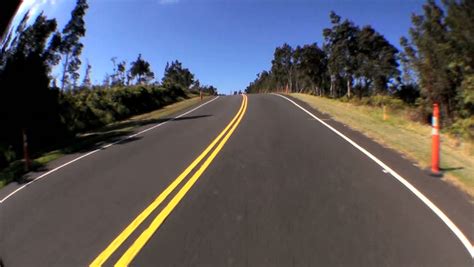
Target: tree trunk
point(298, 86)
point(349, 86)
point(332, 89)
point(290, 82)
point(63, 79)
point(446, 113)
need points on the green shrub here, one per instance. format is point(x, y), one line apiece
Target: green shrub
point(7, 155)
point(395, 103)
point(463, 128)
point(379, 101)
point(87, 109)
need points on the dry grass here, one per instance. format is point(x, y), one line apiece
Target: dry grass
point(399, 133)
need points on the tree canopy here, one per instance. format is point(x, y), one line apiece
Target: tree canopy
point(350, 57)
point(440, 51)
point(141, 70)
point(176, 74)
point(71, 47)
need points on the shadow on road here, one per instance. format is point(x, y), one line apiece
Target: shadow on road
point(140, 123)
point(96, 140)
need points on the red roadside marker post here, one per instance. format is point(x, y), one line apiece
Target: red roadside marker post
point(435, 141)
point(200, 94)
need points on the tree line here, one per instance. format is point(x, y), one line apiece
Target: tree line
point(436, 64)
point(52, 110)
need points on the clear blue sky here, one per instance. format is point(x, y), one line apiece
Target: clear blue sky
point(224, 43)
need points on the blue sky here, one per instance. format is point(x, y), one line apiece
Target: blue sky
point(225, 43)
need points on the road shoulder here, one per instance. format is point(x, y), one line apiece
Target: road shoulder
point(454, 203)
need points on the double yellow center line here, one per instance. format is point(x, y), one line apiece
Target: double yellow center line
point(140, 242)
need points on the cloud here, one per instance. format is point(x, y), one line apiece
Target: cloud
point(168, 2)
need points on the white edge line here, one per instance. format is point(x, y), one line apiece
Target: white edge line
point(102, 147)
point(402, 180)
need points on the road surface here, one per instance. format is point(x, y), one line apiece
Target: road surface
point(278, 188)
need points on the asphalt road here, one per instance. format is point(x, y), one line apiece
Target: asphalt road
point(283, 190)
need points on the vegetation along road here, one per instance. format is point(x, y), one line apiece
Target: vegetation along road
point(238, 180)
point(119, 147)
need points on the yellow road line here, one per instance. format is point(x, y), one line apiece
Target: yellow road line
point(133, 250)
point(117, 242)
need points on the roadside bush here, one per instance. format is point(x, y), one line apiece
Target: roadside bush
point(409, 93)
point(87, 109)
point(395, 103)
point(79, 111)
point(176, 91)
point(379, 101)
point(7, 155)
point(463, 128)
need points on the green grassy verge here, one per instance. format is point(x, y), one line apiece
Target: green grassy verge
point(89, 140)
point(410, 138)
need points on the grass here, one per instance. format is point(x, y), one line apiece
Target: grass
point(89, 140)
point(410, 138)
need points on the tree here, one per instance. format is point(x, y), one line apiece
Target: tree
point(265, 82)
point(71, 47)
point(211, 90)
point(122, 72)
point(86, 83)
point(119, 76)
point(430, 51)
point(52, 54)
point(340, 44)
point(460, 21)
point(176, 75)
point(12, 42)
point(196, 86)
point(114, 76)
point(376, 60)
point(299, 69)
point(26, 101)
point(282, 66)
point(140, 69)
point(311, 67)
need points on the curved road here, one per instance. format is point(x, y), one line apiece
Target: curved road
point(283, 190)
